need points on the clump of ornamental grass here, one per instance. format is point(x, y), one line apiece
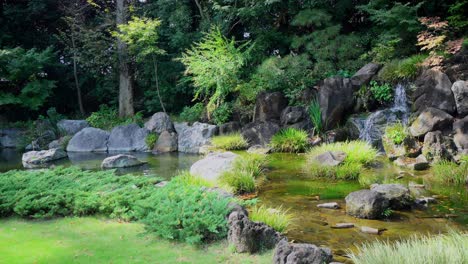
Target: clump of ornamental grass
point(233, 141)
point(405, 69)
point(290, 140)
point(185, 178)
point(245, 175)
point(449, 248)
point(396, 133)
point(448, 172)
point(278, 218)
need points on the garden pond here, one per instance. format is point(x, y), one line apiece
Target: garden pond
point(289, 186)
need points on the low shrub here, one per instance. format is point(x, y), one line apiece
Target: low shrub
point(396, 133)
point(245, 174)
point(229, 142)
point(107, 118)
point(405, 69)
point(450, 173)
point(192, 113)
point(151, 140)
point(290, 140)
point(278, 218)
point(382, 93)
point(449, 248)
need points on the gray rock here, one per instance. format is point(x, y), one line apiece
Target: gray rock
point(336, 100)
point(192, 138)
point(364, 75)
point(71, 127)
point(370, 230)
point(289, 253)
point(128, 138)
point(433, 89)
point(269, 106)
point(259, 149)
point(159, 123)
point(331, 158)
point(343, 225)
point(34, 159)
point(120, 161)
point(430, 119)
point(260, 133)
point(167, 142)
point(333, 205)
point(59, 143)
point(398, 195)
point(460, 138)
point(436, 147)
point(10, 137)
point(366, 204)
point(295, 117)
point(229, 128)
point(89, 139)
point(249, 236)
point(213, 165)
point(410, 147)
point(418, 163)
point(460, 92)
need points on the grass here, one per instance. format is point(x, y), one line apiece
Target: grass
point(396, 133)
point(405, 69)
point(448, 172)
point(315, 114)
point(278, 218)
point(229, 142)
point(92, 240)
point(245, 175)
point(185, 178)
point(359, 154)
point(450, 248)
point(290, 140)
point(238, 181)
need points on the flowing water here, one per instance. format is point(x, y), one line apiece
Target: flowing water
point(289, 186)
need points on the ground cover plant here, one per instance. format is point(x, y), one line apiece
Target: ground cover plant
point(278, 218)
point(448, 172)
point(233, 141)
point(358, 155)
point(290, 140)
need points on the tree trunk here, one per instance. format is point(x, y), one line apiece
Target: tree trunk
point(200, 9)
point(157, 84)
point(75, 74)
point(125, 79)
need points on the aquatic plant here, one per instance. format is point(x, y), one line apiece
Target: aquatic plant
point(290, 140)
point(450, 173)
point(233, 141)
point(278, 218)
point(448, 248)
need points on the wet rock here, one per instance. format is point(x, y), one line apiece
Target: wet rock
point(460, 92)
point(436, 147)
point(10, 137)
point(295, 117)
point(167, 142)
point(424, 201)
point(71, 127)
point(343, 225)
point(249, 236)
point(433, 89)
point(366, 204)
point(120, 161)
point(89, 139)
point(418, 163)
point(128, 138)
point(34, 159)
point(229, 128)
point(59, 143)
point(269, 106)
point(159, 123)
point(331, 158)
point(259, 149)
point(430, 119)
point(213, 165)
point(398, 195)
point(364, 75)
point(335, 99)
point(260, 133)
point(289, 253)
point(191, 138)
point(460, 138)
point(333, 205)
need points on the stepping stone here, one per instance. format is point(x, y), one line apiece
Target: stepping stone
point(343, 225)
point(333, 205)
point(370, 230)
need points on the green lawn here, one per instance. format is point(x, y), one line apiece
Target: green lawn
point(92, 240)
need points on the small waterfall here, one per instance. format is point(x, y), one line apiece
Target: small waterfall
point(371, 128)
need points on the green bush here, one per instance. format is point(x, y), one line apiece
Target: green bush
point(185, 212)
point(382, 93)
point(222, 114)
point(278, 218)
point(449, 248)
point(229, 142)
point(107, 118)
point(290, 140)
point(192, 113)
point(406, 69)
point(396, 133)
point(151, 139)
point(315, 114)
point(450, 173)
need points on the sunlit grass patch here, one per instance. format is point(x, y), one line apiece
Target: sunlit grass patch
point(290, 140)
point(278, 218)
point(450, 172)
point(229, 142)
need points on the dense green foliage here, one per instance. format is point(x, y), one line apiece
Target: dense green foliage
point(192, 113)
point(229, 142)
point(151, 140)
point(447, 248)
point(107, 118)
point(278, 218)
point(396, 133)
point(290, 140)
point(383, 93)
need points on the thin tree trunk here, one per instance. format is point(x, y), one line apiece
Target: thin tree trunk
point(75, 73)
point(125, 75)
point(157, 84)
point(200, 9)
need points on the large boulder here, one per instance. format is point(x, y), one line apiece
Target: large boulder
point(10, 137)
point(213, 165)
point(410, 147)
point(433, 89)
point(366, 204)
point(248, 236)
point(71, 127)
point(128, 138)
point(260, 133)
point(335, 99)
point(460, 93)
point(295, 117)
point(429, 120)
point(418, 163)
point(289, 253)
point(159, 122)
point(460, 138)
point(89, 139)
point(269, 106)
point(34, 159)
point(192, 138)
point(365, 74)
point(229, 128)
point(436, 147)
point(398, 195)
point(120, 161)
point(167, 142)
